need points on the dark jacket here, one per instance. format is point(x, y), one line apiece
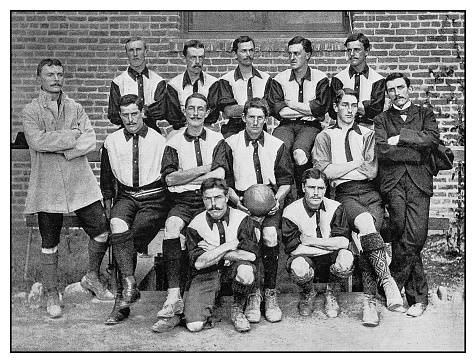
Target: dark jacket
point(418, 136)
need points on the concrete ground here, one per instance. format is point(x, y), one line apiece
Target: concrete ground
point(441, 328)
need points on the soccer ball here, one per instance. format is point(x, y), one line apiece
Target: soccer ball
point(259, 199)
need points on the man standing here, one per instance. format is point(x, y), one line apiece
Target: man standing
point(369, 85)
point(59, 135)
point(255, 157)
point(131, 159)
point(186, 164)
point(299, 99)
point(222, 245)
point(405, 134)
point(141, 81)
point(345, 153)
point(233, 89)
point(193, 80)
point(316, 237)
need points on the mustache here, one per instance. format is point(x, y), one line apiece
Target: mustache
point(197, 66)
point(214, 208)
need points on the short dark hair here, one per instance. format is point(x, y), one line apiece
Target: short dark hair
point(133, 39)
point(196, 95)
point(192, 44)
point(256, 103)
point(241, 39)
point(395, 75)
point(212, 183)
point(48, 62)
point(361, 38)
point(314, 173)
point(306, 43)
point(130, 99)
point(345, 91)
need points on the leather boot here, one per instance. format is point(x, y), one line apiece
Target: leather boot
point(370, 316)
point(392, 294)
point(120, 311)
point(130, 291)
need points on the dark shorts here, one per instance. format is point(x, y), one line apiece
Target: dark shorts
point(297, 136)
point(320, 265)
point(359, 197)
point(204, 289)
point(144, 217)
point(186, 205)
point(92, 219)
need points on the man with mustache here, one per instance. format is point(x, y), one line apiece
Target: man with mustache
point(316, 237)
point(138, 80)
point(405, 134)
point(59, 135)
point(345, 153)
point(131, 160)
point(255, 157)
point(193, 80)
point(299, 99)
point(233, 89)
point(186, 164)
point(222, 245)
point(358, 76)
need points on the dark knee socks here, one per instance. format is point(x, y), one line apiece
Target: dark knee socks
point(49, 263)
point(270, 258)
point(172, 261)
point(374, 252)
point(96, 252)
point(124, 251)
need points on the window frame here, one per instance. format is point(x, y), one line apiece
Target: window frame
point(337, 30)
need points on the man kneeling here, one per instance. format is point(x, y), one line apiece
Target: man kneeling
point(316, 237)
point(222, 245)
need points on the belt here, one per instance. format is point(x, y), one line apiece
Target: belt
point(155, 187)
point(297, 121)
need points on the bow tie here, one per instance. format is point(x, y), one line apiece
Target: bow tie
point(402, 112)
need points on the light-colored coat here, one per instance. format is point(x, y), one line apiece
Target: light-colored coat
point(61, 179)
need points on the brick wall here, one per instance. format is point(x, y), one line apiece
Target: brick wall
point(90, 45)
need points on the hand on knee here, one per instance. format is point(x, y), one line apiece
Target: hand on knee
point(245, 275)
point(300, 267)
point(300, 157)
point(195, 326)
point(118, 225)
point(102, 238)
point(270, 236)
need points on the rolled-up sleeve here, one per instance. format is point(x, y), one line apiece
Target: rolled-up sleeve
point(340, 224)
point(291, 235)
point(247, 237)
point(170, 161)
point(192, 240)
point(283, 167)
point(321, 151)
point(275, 98)
point(320, 104)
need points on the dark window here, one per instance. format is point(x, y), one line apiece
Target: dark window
point(227, 24)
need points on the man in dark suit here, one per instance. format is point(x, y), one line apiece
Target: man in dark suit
point(405, 134)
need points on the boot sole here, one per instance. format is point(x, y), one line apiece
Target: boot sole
point(393, 307)
point(370, 324)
